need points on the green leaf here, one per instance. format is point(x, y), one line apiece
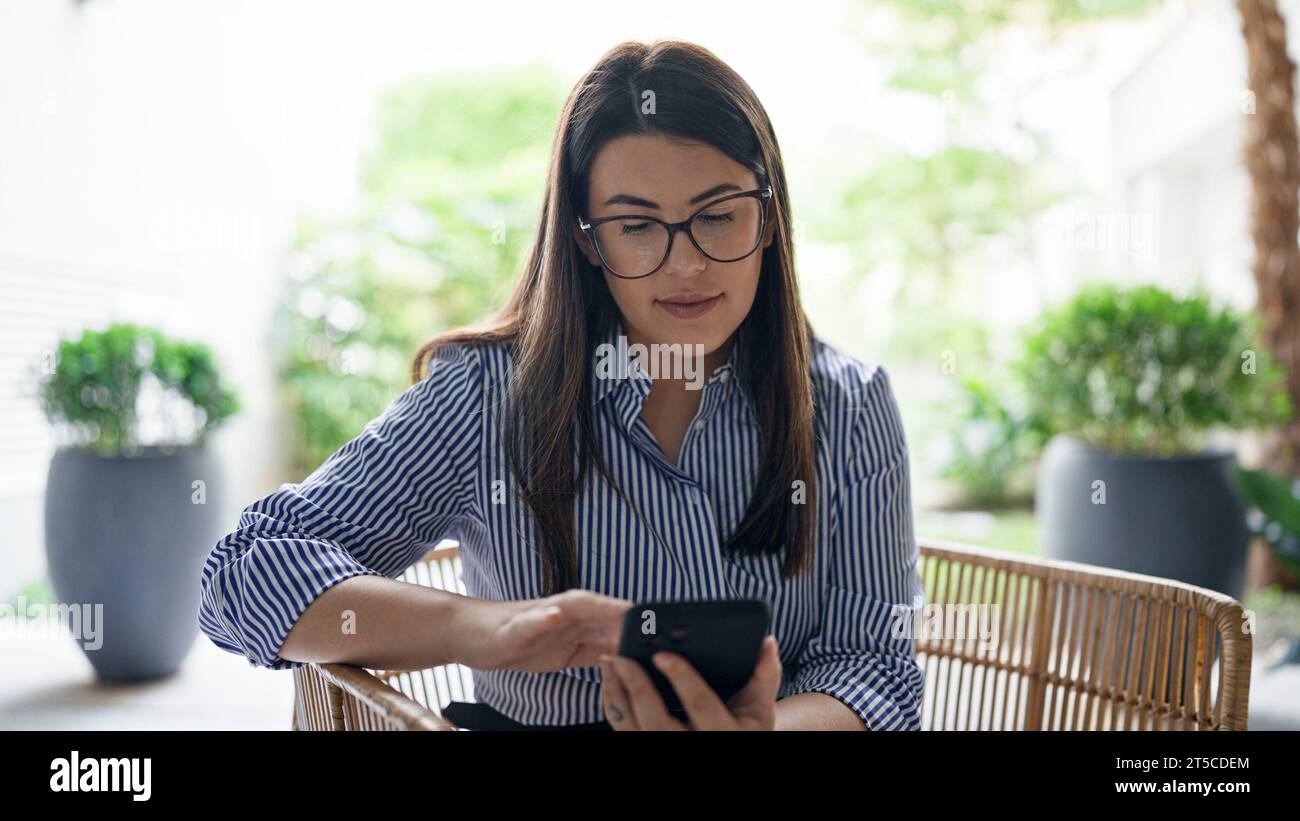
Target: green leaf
point(1272, 495)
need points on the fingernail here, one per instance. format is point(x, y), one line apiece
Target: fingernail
point(664, 662)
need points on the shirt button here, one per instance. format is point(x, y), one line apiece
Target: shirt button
point(699, 426)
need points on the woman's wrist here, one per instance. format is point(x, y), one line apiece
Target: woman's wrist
point(454, 622)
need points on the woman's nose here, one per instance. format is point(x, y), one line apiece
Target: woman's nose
point(684, 259)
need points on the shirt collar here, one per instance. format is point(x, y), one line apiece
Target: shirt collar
point(613, 349)
point(610, 353)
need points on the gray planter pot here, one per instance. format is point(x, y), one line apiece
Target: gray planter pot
point(125, 533)
point(1179, 518)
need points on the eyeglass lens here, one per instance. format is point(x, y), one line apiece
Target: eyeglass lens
point(725, 232)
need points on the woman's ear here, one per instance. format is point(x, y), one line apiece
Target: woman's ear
point(585, 247)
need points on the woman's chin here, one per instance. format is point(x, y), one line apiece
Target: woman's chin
point(702, 340)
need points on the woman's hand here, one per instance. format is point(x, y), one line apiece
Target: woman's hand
point(569, 629)
point(631, 701)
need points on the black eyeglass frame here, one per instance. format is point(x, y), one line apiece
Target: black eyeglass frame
point(589, 230)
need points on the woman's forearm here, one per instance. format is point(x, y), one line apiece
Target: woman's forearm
point(377, 622)
point(815, 711)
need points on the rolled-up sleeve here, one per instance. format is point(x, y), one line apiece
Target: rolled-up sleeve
point(871, 575)
point(372, 508)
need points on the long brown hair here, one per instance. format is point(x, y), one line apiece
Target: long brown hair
point(561, 304)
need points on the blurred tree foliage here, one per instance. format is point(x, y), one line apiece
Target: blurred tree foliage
point(450, 191)
point(932, 217)
point(952, 220)
point(933, 213)
point(953, 42)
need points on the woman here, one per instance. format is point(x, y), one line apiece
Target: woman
point(575, 490)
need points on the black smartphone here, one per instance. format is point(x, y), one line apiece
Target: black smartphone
point(721, 638)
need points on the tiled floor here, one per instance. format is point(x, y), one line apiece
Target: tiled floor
point(1275, 698)
point(46, 684)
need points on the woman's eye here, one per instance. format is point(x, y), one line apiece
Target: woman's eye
point(716, 219)
point(634, 228)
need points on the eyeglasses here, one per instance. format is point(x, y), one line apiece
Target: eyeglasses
point(633, 246)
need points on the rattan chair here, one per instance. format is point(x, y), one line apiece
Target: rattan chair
point(1077, 648)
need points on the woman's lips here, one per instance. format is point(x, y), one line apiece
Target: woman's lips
point(689, 310)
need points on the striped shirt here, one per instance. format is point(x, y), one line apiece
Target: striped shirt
point(431, 467)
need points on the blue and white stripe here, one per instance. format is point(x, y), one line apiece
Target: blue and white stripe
point(431, 467)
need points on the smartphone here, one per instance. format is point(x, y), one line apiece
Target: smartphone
point(721, 638)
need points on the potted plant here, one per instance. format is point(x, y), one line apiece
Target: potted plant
point(131, 497)
point(1274, 519)
point(1133, 381)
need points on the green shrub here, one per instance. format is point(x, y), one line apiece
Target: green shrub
point(99, 379)
point(1139, 371)
point(992, 446)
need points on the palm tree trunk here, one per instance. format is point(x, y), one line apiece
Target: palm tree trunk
point(1274, 166)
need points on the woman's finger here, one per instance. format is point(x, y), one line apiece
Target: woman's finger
point(592, 609)
point(590, 649)
point(767, 673)
point(526, 627)
point(541, 639)
point(614, 698)
point(702, 705)
point(647, 706)
point(759, 693)
point(574, 643)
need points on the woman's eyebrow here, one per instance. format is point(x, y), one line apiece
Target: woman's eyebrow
point(641, 202)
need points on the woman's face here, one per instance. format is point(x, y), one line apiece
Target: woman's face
point(663, 177)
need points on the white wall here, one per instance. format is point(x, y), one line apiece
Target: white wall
point(1177, 124)
point(152, 158)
